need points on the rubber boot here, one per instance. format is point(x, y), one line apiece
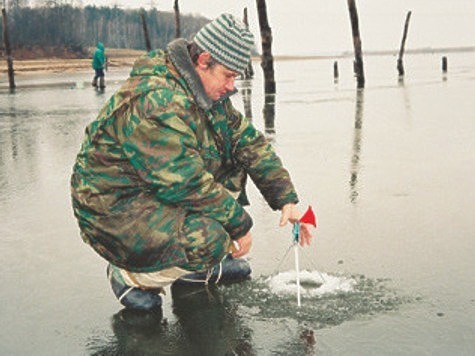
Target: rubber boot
point(94, 82)
point(230, 270)
point(129, 296)
point(102, 83)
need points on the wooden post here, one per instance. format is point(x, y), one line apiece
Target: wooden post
point(249, 72)
point(400, 65)
point(269, 113)
point(148, 46)
point(444, 64)
point(177, 20)
point(267, 61)
point(247, 99)
point(358, 63)
point(335, 71)
point(6, 41)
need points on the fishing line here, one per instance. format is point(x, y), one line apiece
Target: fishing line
point(282, 260)
point(313, 266)
point(277, 270)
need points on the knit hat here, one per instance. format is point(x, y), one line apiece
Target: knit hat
point(228, 41)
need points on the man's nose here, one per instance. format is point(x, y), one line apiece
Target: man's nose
point(230, 85)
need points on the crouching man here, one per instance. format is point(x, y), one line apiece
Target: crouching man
point(158, 184)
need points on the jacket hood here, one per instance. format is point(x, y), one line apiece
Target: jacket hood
point(100, 45)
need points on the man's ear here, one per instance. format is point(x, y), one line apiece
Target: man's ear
point(203, 60)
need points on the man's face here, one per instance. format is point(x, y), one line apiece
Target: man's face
point(217, 80)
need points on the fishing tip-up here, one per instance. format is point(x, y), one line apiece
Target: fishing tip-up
point(307, 218)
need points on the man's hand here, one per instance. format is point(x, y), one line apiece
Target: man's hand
point(290, 214)
point(242, 245)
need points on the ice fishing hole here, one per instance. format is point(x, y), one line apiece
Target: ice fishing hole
point(312, 283)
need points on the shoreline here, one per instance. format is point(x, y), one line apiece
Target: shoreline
point(116, 58)
point(123, 58)
point(59, 65)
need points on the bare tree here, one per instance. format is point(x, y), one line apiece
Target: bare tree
point(249, 72)
point(177, 20)
point(267, 60)
point(400, 65)
point(358, 63)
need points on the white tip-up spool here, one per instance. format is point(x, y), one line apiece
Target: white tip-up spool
point(296, 233)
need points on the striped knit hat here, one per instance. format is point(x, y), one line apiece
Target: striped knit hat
point(228, 41)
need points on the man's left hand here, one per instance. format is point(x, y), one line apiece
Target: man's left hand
point(243, 243)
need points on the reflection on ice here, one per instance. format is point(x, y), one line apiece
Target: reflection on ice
point(240, 319)
point(312, 283)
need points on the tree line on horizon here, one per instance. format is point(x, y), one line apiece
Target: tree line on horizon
point(76, 29)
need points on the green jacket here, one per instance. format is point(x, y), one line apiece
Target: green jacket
point(161, 149)
point(99, 57)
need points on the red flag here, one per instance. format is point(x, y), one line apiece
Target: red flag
point(309, 217)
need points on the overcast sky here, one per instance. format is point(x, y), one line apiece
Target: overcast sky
point(323, 26)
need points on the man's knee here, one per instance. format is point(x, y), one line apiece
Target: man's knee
point(206, 242)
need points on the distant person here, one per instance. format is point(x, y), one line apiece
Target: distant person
point(98, 64)
point(158, 185)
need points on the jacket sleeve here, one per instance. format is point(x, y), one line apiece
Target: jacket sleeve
point(257, 156)
point(164, 150)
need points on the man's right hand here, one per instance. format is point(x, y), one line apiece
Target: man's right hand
point(242, 245)
point(290, 214)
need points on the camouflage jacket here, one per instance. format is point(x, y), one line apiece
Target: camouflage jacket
point(160, 149)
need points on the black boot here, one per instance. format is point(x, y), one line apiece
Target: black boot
point(129, 296)
point(228, 271)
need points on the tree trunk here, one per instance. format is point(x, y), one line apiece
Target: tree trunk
point(145, 32)
point(6, 41)
point(444, 64)
point(335, 71)
point(177, 20)
point(358, 63)
point(249, 72)
point(267, 61)
point(400, 65)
